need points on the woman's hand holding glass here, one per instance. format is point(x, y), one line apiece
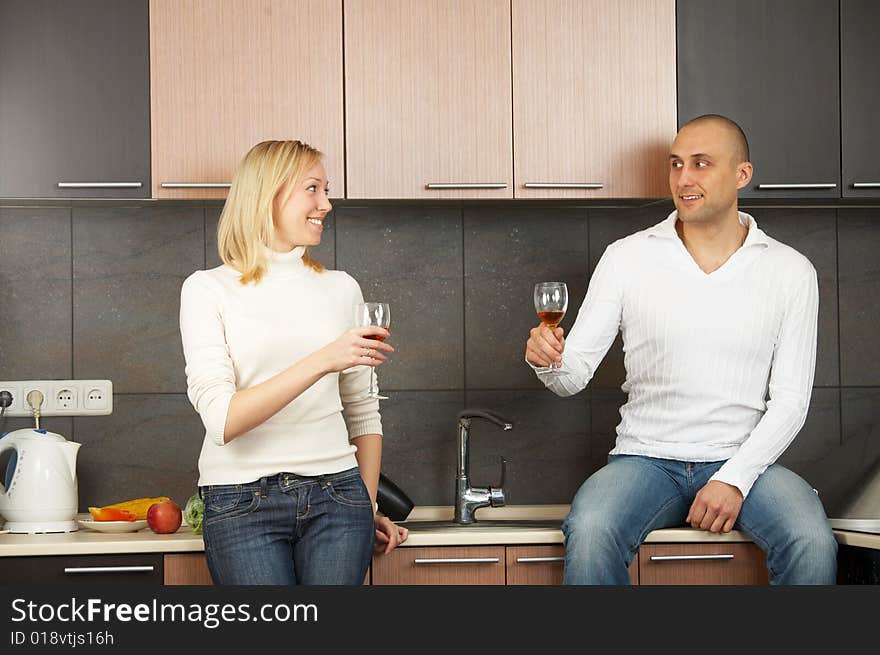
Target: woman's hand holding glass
point(373, 314)
point(355, 348)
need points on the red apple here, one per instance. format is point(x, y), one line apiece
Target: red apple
point(164, 517)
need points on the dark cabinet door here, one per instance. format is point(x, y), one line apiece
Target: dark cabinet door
point(74, 99)
point(773, 67)
point(860, 97)
point(143, 568)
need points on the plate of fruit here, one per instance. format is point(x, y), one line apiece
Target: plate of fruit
point(128, 516)
point(113, 526)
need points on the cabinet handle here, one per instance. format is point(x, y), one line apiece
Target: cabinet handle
point(866, 185)
point(563, 185)
point(536, 560)
point(99, 185)
point(670, 558)
point(457, 560)
point(108, 569)
point(466, 185)
point(829, 185)
point(195, 185)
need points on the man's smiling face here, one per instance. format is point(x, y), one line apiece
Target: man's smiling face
point(704, 174)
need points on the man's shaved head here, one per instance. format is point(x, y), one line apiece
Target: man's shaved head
point(738, 142)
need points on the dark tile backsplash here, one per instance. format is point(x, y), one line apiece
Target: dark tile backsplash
point(35, 293)
point(859, 278)
point(92, 291)
point(128, 267)
point(507, 249)
point(410, 257)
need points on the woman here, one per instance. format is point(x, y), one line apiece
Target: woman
point(289, 467)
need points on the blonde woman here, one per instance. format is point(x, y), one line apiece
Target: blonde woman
point(289, 466)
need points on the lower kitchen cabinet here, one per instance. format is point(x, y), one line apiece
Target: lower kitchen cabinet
point(858, 565)
point(543, 565)
point(702, 564)
point(136, 569)
point(443, 565)
point(535, 565)
point(655, 564)
point(187, 569)
point(192, 569)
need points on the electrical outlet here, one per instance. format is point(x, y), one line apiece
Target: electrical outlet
point(44, 398)
point(61, 397)
point(66, 397)
point(96, 398)
point(15, 392)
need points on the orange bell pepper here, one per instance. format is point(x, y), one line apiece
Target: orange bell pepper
point(111, 514)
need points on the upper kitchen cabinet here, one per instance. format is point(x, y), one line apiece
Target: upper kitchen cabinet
point(860, 97)
point(593, 97)
point(427, 96)
point(74, 99)
point(773, 67)
point(227, 74)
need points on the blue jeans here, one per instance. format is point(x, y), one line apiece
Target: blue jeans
point(289, 529)
point(616, 508)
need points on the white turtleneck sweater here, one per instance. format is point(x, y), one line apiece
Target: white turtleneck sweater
point(236, 336)
point(702, 351)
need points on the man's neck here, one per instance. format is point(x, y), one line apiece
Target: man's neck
point(712, 242)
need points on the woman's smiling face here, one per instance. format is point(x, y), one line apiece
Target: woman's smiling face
point(299, 221)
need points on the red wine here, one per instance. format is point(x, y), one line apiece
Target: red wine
point(551, 319)
point(375, 337)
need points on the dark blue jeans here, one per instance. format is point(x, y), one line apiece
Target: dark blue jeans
point(619, 504)
point(289, 529)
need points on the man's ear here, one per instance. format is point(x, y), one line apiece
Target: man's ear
point(744, 173)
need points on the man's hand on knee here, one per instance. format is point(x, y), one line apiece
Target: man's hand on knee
point(715, 507)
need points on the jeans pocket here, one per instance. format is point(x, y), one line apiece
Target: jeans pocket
point(349, 491)
point(229, 501)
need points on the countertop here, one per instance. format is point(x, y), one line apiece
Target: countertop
point(89, 542)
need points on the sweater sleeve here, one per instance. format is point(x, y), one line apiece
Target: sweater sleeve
point(790, 387)
point(361, 413)
point(594, 330)
point(210, 375)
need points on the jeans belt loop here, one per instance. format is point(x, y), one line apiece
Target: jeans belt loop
point(264, 487)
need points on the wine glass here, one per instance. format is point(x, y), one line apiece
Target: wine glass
point(378, 314)
point(551, 301)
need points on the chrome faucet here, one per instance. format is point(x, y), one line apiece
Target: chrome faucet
point(468, 499)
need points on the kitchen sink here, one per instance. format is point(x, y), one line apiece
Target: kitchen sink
point(493, 524)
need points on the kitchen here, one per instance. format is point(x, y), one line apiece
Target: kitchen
point(408, 99)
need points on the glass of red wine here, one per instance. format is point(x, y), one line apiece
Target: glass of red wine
point(378, 314)
point(551, 301)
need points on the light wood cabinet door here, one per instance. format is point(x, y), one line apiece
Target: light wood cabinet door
point(543, 565)
point(594, 97)
point(227, 74)
point(472, 565)
point(428, 98)
point(187, 569)
point(702, 564)
point(535, 565)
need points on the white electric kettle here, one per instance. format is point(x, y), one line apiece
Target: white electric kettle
point(41, 493)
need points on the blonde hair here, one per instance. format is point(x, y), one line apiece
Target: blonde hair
point(246, 224)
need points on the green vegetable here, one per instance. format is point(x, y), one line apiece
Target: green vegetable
point(194, 512)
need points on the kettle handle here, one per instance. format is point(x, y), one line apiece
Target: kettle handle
point(4, 446)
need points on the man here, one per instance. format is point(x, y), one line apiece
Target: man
point(716, 318)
